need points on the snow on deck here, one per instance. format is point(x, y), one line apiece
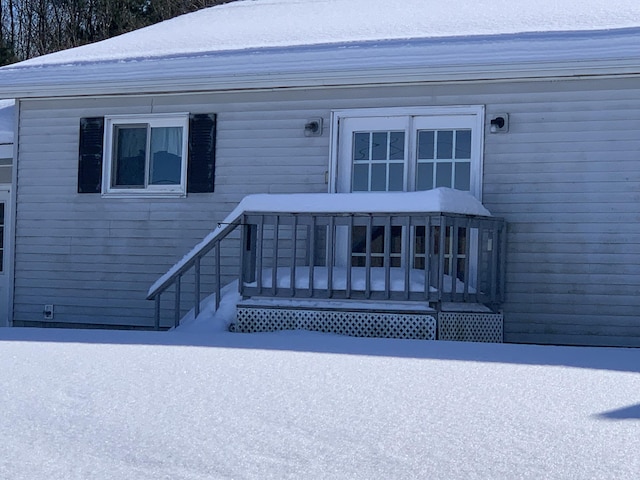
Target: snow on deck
point(252, 24)
point(445, 200)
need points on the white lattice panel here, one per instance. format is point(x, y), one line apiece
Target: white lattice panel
point(470, 327)
point(355, 324)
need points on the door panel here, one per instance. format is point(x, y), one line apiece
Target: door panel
point(407, 153)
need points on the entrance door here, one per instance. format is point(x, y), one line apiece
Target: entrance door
point(5, 282)
point(407, 151)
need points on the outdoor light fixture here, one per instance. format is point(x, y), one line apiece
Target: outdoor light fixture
point(499, 123)
point(313, 127)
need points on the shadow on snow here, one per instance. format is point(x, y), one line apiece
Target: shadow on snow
point(602, 358)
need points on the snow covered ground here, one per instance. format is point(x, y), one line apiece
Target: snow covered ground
point(199, 404)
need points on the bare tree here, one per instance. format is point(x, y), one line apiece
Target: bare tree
point(30, 28)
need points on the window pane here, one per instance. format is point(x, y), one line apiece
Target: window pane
point(379, 146)
point(463, 176)
point(360, 146)
point(425, 145)
point(379, 177)
point(463, 144)
point(396, 173)
point(443, 174)
point(166, 156)
point(130, 155)
point(445, 144)
point(396, 146)
point(425, 176)
point(360, 178)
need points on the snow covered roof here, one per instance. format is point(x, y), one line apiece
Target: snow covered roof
point(7, 108)
point(289, 42)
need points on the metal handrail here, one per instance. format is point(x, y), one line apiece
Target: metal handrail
point(193, 261)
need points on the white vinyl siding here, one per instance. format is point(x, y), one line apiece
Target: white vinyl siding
point(566, 178)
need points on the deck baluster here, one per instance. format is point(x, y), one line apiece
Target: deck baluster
point(176, 313)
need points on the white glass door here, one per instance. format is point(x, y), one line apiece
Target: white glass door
point(407, 152)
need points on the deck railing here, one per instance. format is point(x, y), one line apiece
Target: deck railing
point(435, 257)
point(428, 257)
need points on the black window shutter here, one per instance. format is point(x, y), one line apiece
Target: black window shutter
point(202, 153)
point(90, 155)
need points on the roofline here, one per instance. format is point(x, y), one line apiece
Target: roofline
point(204, 82)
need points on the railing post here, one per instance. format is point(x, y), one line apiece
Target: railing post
point(294, 254)
point(349, 262)
point(367, 262)
point(453, 263)
point(503, 260)
point(274, 269)
point(467, 261)
point(441, 254)
point(259, 250)
point(330, 254)
point(196, 287)
point(176, 313)
point(312, 252)
point(428, 248)
point(387, 257)
point(248, 254)
point(157, 313)
point(406, 254)
point(218, 279)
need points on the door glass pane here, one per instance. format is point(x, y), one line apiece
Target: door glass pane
point(445, 144)
point(463, 176)
point(360, 178)
point(443, 174)
point(378, 161)
point(130, 156)
point(360, 146)
point(166, 156)
point(379, 146)
point(425, 144)
point(396, 146)
point(463, 143)
point(379, 177)
point(396, 177)
point(425, 176)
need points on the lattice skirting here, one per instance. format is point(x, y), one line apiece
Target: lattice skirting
point(470, 327)
point(356, 324)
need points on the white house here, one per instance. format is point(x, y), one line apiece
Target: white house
point(130, 151)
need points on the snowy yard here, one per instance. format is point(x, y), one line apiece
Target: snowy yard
point(190, 405)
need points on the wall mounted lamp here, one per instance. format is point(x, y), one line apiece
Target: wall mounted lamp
point(313, 127)
point(499, 123)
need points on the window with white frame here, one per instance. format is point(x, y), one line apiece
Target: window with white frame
point(145, 155)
